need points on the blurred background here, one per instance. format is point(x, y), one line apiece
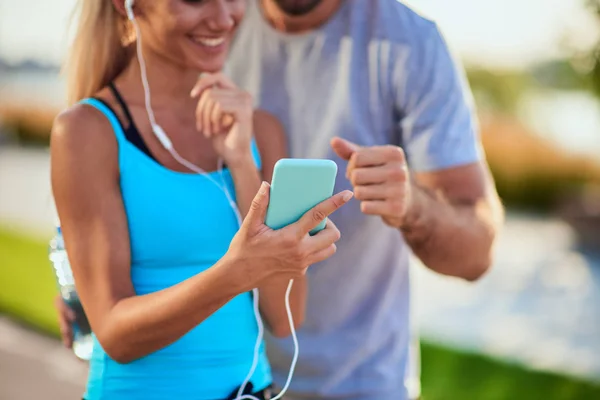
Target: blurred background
point(529, 330)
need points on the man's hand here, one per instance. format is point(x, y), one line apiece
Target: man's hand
point(380, 178)
point(448, 217)
point(66, 317)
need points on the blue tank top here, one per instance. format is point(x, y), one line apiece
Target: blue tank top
point(180, 224)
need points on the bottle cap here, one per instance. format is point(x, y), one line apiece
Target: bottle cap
point(57, 224)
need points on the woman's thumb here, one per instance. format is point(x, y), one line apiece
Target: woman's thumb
point(258, 208)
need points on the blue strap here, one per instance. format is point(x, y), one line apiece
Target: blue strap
point(256, 154)
point(112, 118)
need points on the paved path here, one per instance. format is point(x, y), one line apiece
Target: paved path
point(34, 367)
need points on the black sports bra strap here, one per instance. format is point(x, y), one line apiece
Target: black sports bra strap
point(121, 102)
point(132, 134)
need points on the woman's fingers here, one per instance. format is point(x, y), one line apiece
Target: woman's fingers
point(324, 238)
point(207, 126)
point(220, 90)
point(322, 254)
point(218, 109)
point(215, 118)
point(322, 245)
point(317, 214)
point(208, 80)
point(200, 109)
point(227, 121)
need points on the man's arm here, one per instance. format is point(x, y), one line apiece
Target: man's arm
point(446, 206)
point(453, 220)
point(448, 217)
point(453, 212)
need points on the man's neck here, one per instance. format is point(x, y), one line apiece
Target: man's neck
point(302, 23)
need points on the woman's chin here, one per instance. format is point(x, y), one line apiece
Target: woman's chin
point(209, 59)
point(211, 67)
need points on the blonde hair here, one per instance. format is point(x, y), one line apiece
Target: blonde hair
point(99, 52)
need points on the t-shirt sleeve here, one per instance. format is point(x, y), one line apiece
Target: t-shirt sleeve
point(437, 119)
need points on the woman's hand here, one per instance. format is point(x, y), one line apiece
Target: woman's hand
point(289, 251)
point(224, 114)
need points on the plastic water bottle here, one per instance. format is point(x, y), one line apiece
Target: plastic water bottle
point(82, 333)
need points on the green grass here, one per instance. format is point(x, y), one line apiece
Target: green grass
point(27, 290)
point(27, 286)
point(449, 374)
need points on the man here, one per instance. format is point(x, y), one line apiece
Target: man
point(379, 76)
point(371, 85)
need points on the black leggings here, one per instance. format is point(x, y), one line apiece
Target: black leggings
point(265, 394)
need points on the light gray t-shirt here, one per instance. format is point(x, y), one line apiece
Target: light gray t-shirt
point(377, 73)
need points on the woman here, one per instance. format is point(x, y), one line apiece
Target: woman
point(163, 276)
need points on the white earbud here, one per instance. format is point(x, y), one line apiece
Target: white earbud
point(161, 135)
point(129, 9)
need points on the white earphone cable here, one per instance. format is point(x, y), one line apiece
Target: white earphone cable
point(167, 144)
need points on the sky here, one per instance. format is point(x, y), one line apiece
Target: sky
point(511, 32)
point(502, 33)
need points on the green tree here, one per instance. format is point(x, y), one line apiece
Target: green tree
point(497, 90)
point(594, 56)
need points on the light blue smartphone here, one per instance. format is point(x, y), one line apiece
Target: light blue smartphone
point(297, 186)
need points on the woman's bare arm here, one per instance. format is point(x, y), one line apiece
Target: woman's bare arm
point(85, 182)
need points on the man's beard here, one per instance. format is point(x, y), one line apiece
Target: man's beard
point(297, 7)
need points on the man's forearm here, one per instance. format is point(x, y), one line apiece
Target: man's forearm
point(452, 237)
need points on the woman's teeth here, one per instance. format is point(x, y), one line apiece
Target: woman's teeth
point(210, 42)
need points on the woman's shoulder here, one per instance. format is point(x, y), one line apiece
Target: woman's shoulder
point(82, 122)
point(83, 134)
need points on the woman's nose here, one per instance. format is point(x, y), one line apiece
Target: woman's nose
point(222, 17)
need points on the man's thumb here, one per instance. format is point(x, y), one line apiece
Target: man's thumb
point(344, 148)
point(258, 208)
